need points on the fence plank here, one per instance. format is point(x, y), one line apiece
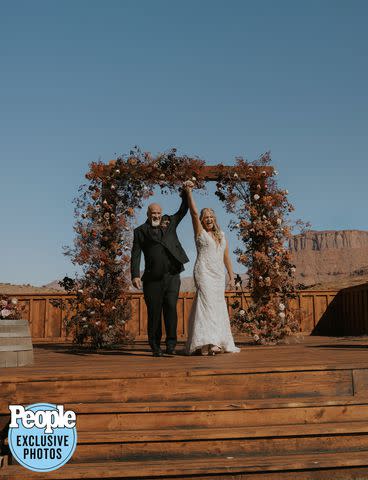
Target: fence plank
point(343, 313)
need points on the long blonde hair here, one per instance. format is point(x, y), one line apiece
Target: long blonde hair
point(216, 230)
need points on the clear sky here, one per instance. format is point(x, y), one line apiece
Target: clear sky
point(84, 80)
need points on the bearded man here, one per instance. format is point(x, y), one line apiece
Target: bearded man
point(164, 257)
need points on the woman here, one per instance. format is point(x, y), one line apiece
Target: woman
point(209, 324)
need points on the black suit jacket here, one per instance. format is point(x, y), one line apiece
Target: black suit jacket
point(153, 249)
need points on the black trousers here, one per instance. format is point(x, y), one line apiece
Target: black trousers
point(161, 296)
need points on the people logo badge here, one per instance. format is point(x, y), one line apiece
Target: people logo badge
point(42, 437)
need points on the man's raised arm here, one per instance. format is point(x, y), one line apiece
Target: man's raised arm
point(183, 209)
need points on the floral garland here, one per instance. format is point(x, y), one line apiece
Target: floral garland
point(105, 212)
point(250, 192)
point(10, 308)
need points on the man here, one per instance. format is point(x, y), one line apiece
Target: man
point(164, 257)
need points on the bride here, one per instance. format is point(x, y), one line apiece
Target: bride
point(209, 323)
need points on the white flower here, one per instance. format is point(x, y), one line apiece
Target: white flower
point(256, 337)
point(84, 319)
point(110, 327)
point(194, 179)
point(256, 197)
point(281, 306)
point(236, 175)
point(282, 315)
point(264, 217)
point(80, 291)
point(162, 175)
point(260, 277)
point(98, 322)
point(5, 312)
point(117, 171)
point(85, 326)
point(263, 172)
point(113, 187)
point(292, 269)
point(237, 225)
point(113, 307)
point(279, 221)
point(93, 312)
point(4, 303)
point(14, 301)
point(241, 312)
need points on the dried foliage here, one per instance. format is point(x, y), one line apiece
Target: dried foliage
point(250, 192)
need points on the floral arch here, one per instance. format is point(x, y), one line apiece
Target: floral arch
point(105, 213)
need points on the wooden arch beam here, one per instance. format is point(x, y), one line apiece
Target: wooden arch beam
point(213, 172)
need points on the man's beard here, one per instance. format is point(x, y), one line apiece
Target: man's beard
point(155, 223)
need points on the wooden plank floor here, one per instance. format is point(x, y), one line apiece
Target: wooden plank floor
point(297, 411)
point(315, 353)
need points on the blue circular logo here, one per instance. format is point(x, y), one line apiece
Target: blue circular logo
point(42, 437)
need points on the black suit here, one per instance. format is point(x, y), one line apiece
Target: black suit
point(164, 258)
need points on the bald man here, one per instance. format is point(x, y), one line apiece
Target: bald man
point(164, 257)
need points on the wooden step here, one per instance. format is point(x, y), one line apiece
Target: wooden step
point(199, 467)
point(187, 434)
point(208, 405)
point(212, 444)
point(105, 422)
point(232, 387)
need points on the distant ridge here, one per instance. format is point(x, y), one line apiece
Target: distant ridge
point(327, 259)
point(331, 257)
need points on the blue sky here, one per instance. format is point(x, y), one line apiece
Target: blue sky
point(87, 80)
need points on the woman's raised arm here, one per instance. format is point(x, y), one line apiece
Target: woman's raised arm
point(197, 226)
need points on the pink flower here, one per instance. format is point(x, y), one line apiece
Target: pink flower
point(5, 312)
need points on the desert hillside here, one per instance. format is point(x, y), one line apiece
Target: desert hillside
point(334, 258)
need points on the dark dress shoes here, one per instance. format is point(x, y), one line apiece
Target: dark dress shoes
point(157, 352)
point(170, 351)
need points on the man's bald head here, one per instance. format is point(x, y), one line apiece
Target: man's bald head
point(154, 214)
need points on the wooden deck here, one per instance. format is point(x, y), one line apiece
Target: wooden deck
point(297, 411)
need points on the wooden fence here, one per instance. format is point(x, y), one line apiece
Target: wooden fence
point(343, 312)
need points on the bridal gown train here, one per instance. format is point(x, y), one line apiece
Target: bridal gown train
point(209, 321)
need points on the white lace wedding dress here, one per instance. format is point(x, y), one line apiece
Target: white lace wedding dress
point(209, 321)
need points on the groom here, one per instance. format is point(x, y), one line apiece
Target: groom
point(164, 257)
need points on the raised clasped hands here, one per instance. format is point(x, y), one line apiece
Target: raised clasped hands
point(188, 185)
